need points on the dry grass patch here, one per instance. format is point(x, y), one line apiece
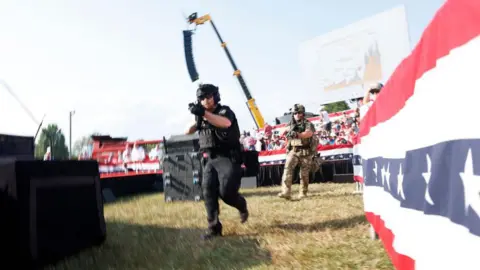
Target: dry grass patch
point(324, 231)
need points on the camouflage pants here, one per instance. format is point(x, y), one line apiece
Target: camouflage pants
point(292, 161)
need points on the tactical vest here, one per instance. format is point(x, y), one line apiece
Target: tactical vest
point(299, 128)
point(214, 139)
point(303, 147)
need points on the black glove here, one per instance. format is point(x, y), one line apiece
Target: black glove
point(196, 109)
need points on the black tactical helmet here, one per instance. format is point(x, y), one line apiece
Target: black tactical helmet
point(205, 90)
point(298, 108)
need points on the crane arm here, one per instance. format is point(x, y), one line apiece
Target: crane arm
point(252, 106)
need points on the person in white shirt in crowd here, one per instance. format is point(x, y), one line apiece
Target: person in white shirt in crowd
point(141, 153)
point(242, 140)
point(138, 155)
point(134, 155)
point(155, 153)
point(253, 133)
point(126, 156)
point(326, 123)
point(260, 143)
point(369, 98)
point(48, 154)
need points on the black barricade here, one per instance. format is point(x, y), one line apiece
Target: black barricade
point(17, 146)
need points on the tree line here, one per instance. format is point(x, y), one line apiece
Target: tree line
point(52, 136)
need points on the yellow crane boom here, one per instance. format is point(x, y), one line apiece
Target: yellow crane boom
point(252, 106)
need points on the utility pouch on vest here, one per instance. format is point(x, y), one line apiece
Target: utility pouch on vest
point(206, 139)
point(296, 142)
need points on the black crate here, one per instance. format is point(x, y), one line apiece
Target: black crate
point(17, 146)
point(182, 177)
point(181, 144)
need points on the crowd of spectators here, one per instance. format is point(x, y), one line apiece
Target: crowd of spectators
point(342, 130)
point(135, 153)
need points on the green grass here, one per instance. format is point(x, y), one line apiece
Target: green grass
point(327, 230)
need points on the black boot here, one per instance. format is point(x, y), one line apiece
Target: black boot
point(211, 234)
point(244, 216)
point(213, 231)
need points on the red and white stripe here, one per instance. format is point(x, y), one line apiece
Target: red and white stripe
point(440, 74)
point(136, 166)
point(329, 150)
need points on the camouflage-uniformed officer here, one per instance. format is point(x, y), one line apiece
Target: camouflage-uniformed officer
point(299, 152)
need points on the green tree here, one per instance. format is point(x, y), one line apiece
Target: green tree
point(336, 107)
point(147, 147)
point(82, 142)
point(52, 136)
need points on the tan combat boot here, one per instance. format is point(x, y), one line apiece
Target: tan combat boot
point(302, 195)
point(285, 194)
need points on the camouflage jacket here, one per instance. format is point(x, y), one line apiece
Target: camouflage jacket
point(303, 147)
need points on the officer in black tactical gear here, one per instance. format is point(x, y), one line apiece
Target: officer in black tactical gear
point(219, 139)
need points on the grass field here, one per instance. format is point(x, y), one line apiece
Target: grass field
point(327, 230)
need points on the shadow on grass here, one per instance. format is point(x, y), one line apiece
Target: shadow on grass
point(315, 195)
point(134, 246)
point(260, 193)
point(330, 194)
point(130, 188)
point(335, 224)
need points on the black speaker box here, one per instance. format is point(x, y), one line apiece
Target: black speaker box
point(48, 210)
point(181, 144)
point(17, 146)
point(252, 165)
point(182, 177)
